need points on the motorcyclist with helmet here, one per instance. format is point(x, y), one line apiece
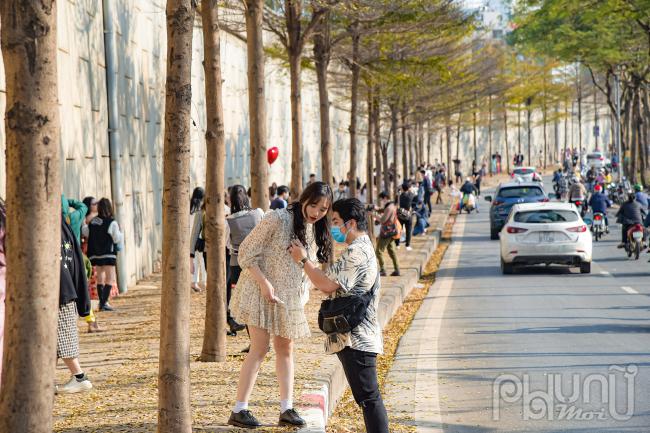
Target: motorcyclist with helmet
point(599, 204)
point(641, 196)
point(578, 193)
point(630, 214)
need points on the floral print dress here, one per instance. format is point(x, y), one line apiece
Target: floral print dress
point(266, 246)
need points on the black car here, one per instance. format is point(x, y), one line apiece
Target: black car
point(508, 195)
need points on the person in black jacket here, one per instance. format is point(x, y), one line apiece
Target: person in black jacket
point(630, 213)
point(405, 213)
point(73, 300)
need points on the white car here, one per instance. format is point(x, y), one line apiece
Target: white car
point(597, 160)
point(547, 233)
point(526, 174)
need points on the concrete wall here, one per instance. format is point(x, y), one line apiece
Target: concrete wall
point(141, 46)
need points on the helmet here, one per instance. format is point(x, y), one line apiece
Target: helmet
point(638, 187)
point(598, 188)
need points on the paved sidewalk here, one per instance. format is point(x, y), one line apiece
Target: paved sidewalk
point(123, 362)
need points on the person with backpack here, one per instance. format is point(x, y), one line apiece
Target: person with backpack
point(390, 229)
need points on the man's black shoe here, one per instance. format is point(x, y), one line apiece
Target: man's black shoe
point(234, 326)
point(244, 419)
point(395, 274)
point(291, 418)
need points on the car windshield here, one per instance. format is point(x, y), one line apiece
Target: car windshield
point(523, 171)
point(593, 156)
point(546, 216)
point(520, 192)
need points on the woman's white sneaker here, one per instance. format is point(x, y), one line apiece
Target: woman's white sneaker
point(74, 386)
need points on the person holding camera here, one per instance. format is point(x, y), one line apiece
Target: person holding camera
point(353, 279)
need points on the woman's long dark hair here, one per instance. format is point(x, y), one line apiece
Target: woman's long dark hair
point(239, 199)
point(196, 200)
point(105, 208)
point(312, 194)
point(88, 202)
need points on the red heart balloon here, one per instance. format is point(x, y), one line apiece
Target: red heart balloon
point(272, 154)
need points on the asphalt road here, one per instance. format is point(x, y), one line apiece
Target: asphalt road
point(510, 350)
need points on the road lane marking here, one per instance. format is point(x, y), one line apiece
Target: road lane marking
point(630, 290)
point(605, 273)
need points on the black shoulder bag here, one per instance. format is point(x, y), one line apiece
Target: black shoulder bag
point(344, 313)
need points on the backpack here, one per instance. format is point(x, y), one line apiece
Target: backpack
point(391, 229)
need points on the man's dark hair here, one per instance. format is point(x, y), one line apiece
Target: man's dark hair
point(282, 189)
point(312, 175)
point(423, 171)
point(352, 209)
point(405, 186)
point(383, 194)
point(272, 191)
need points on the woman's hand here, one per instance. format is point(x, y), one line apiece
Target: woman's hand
point(268, 292)
point(297, 251)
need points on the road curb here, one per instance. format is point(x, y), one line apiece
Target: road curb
point(324, 391)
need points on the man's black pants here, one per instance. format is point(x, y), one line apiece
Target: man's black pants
point(361, 371)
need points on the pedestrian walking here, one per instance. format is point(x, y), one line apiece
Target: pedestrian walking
point(439, 184)
point(93, 324)
point(272, 291)
point(405, 213)
point(104, 241)
point(198, 270)
point(240, 223)
point(389, 230)
point(354, 274)
point(428, 189)
point(73, 301)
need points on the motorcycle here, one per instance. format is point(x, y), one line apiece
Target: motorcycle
point(598, 226)
point(581, 206)
point(634, 243)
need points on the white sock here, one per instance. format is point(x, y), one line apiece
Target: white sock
point(240, 405)
point(285, 405)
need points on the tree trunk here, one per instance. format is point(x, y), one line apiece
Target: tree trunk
point(474, 134)
point(458, 136)
point(381, 165)
point(566, 127)
point(405, 147)
point(174, 411)
point(370, 154)
point(395, 128)
point(519, 129)
point(256, 104)
point(296, 124)
point(32, 254)
point(214, 335)
point(505, 134)
point(448, 133)
point(579, 84)
point(322, 49)
point(490, 133)
point(545, 139)
point(529, 114)
point(429, 141)
point(354, 107)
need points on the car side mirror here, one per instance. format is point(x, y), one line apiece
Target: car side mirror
point(488, 198)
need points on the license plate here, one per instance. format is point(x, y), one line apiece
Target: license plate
point(546, 237)
point(637, 235)
point(598, 222)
